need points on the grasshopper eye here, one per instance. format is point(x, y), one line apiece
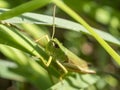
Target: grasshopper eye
point(56, 46)
point(89, 64)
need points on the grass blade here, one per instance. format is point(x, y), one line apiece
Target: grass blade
point(32, 18)
point(29, 6)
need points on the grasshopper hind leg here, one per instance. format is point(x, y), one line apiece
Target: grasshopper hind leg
point(63, 68)
point(44, 36)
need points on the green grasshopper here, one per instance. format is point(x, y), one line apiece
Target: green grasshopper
point(65, 59)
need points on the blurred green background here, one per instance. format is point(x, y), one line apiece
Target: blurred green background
point(101, 14)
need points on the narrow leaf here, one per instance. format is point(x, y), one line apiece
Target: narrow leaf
point(12, 37)
point(32, 18)
point(5, 71)
point(29, 6)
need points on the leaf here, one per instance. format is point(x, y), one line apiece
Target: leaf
point(33, 18)
point(12, 37)
point(29, 6)
point(76, 82)
point(5, 71)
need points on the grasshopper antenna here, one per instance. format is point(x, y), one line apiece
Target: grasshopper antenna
point(53, 28)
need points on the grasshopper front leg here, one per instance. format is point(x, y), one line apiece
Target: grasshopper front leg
point(50, 57)
point(45, 36)
point(49, 61)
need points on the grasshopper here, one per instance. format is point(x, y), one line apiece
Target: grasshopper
point(71, 62)
point(65, 59)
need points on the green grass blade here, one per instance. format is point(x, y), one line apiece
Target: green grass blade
point(29, 6)
point(32, 18)
point(74, 15)
point(12, 37)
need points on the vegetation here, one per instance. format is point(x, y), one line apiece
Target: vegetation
point(24, 50)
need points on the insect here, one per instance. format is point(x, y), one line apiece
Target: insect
point(64, 58)
point(72, 62)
